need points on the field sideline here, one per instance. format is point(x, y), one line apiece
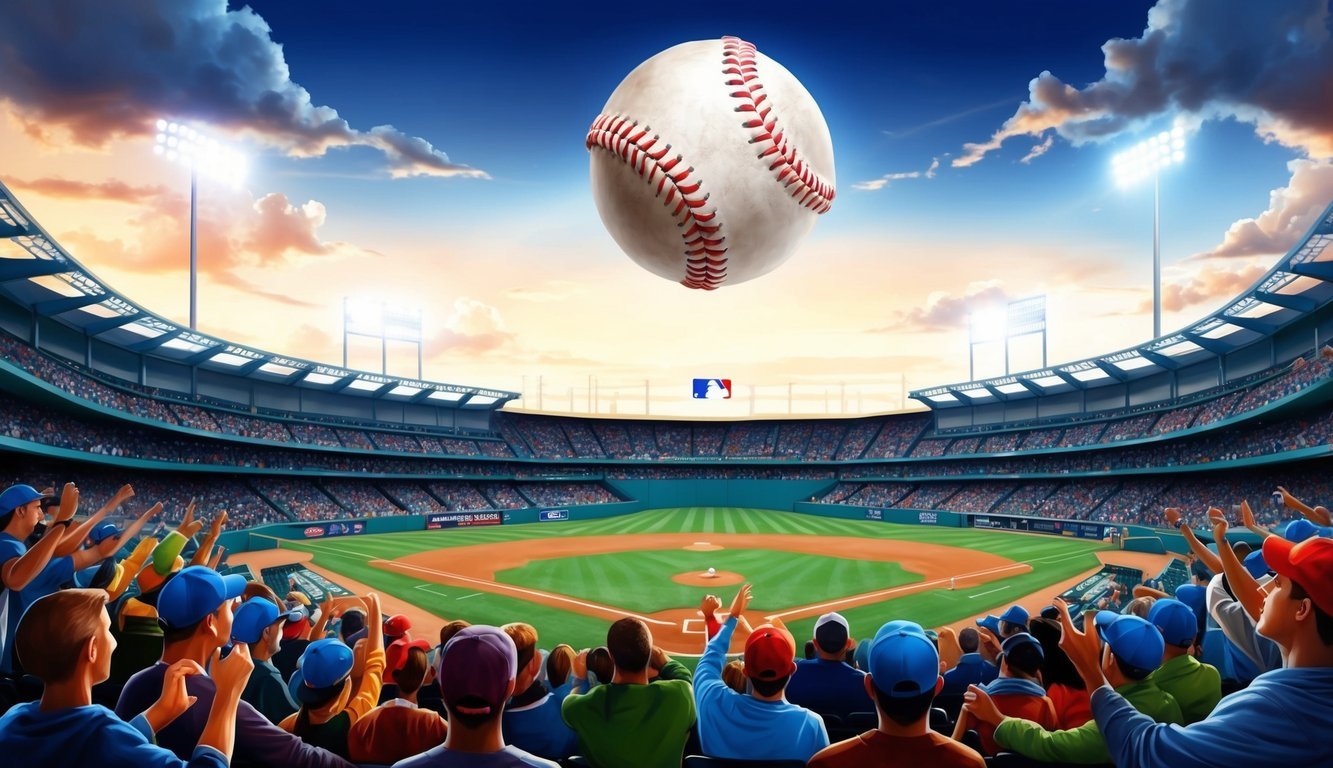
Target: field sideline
point(792, 569)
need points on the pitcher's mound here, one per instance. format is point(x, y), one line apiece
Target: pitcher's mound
point(703, 546)
point(702, 579)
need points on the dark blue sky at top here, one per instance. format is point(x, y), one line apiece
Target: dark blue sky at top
point(511, 89)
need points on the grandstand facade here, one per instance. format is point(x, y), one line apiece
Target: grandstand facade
point(1230, 407)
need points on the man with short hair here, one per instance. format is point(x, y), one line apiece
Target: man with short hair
point(761, 725)
point(903, 680)
point(1196, 687)
point(195, 608)
point(477, 675)
point(65, 640)
point(258, 624)
point(532, 720)
point(972, 668)
point(630, 722)
point(1276, 720)
point(826, 684)
point(1134, 649)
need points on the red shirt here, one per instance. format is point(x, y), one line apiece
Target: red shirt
point(1038, 709)
point(1072, 706)
point(879, 748)
point(392, 732)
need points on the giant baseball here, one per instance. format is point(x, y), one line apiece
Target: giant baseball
point(709, 163)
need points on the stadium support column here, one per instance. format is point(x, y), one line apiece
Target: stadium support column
point(1156, 258)
point(194, 256)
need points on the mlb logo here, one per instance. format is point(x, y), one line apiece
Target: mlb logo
point(712, 389)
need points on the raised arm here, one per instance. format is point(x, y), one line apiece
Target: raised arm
point(1247, 519)
point(76, 535)
point(18, 572)
point(1243, 585)
point(1196, 546)
point(205, 550)
point(1316, 515)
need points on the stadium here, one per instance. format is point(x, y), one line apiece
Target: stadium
point(1087, 488)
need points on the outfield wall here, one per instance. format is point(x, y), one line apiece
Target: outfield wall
point(753, 494)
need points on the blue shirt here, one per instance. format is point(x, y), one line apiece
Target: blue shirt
point(741, 727)
point(539, 728)
point(58, 571)
point(1278, 720)
point(829, 687)
point(89, 736)
point(972, 669)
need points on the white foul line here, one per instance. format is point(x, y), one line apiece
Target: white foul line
point(510, 588)
point(987, 592)
point(464, 597)
point(427, 589)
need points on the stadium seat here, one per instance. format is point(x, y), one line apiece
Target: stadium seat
point(940, 722)
point(952, 704)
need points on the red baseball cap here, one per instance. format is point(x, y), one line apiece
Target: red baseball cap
point(1309, 563)
point(395, 656)
point(770, 653)
point(397, 625)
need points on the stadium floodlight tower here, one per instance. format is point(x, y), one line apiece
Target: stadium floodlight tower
point(1148, 158)
point(181, 143)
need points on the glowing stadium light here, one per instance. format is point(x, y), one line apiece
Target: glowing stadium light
point(1145, 159)
point(384, 321)
point(202, 154)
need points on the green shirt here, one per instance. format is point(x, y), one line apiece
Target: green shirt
point(632, 726)
point(1196, 687)
point(1084, 744)
point(266, 692)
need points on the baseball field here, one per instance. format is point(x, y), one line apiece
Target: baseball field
point(571, 579)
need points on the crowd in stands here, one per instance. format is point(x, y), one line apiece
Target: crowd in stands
point(197, 668)
point(756, 439)
point(1131, 500)
point(561, 494)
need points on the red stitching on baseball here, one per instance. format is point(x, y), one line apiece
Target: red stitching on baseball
point(790, 169)
point(705, 247)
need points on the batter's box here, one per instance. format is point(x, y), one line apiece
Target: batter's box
point(692, 626)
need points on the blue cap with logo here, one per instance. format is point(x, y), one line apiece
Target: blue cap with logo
point(195, 592)
point(1132, 639)
point(903, 661)
point(992, 623)
point(1176, 621)
point(16, 496)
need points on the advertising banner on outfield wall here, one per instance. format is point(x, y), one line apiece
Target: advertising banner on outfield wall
point(462, 520)
point(874, 514)
point(322, 530)
point(1053, 527)
point(552, 515)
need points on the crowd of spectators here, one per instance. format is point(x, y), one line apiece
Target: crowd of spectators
point(362, 498)
point(583, 440)
point(200, 669)
point(751, 439)
point(564, 494)
point(708, 440)
point(503, 496)
point(459, 495)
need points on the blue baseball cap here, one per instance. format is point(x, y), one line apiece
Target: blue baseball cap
point(252, 618)
point(903, 661)
point(1132, 639)
point(103, 532)
point(990, 622)
point(325, 663)
point(1176, 621)
point(16, 496)
point(1016, 614)
point(1299, 530)
point(1255, 564)
point(195, 592)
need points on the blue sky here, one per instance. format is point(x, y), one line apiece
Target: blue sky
point(965, 175)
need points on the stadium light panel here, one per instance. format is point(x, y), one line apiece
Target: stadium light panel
point(180, 143)
point(988, 324)
point(1149, 156)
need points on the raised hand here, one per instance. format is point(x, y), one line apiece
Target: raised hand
point(1246, 515)
point(69, 502)
point(741, 600)
point(215, 530)
point(709, 605)
point(1219, 520)
point(1173, 517)
point(232, 673)
point(659, 658)
point(1084, 648)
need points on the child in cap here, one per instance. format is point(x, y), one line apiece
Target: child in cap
point(399, 729)
point(258, 624)
point(904, 678)
point(329, 706)
point(477, 673)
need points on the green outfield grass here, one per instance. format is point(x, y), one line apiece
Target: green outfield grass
point(640, 581)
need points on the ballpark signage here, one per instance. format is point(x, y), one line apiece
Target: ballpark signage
point(874, 514)
point(462, 520)
point(552, 515)
point(321, 530)
point(927, 518)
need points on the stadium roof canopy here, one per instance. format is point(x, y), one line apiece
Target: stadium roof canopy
point(41, 276)
point(1301, 283)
